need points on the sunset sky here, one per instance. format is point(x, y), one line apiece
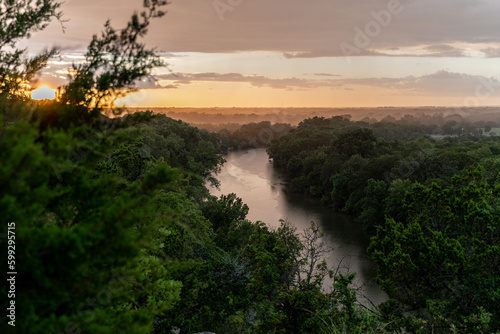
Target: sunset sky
point(296, 53)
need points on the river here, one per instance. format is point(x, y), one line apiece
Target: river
point(251, 176)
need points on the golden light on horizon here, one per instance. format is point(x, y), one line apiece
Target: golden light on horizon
point(43, 92)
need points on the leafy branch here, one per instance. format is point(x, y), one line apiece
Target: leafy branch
point(18, 20)
point(113, 62)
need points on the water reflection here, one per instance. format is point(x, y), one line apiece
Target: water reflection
point(251, 176)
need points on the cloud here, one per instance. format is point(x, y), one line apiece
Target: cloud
point(492, 52)
point(151, 83)
point(336, 52)
point(439, 83)
point(326, 75)
point(442, 82)
point(57, 70)
point(253, 80)
point(303, 29)
point(443, 50)
point(297, 28)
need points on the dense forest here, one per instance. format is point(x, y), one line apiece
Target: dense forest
point(116, 232)
point(355, 166)
point(431, 204)
point(110, 228)
point(426, 188)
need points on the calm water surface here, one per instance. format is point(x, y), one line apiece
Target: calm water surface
point(251, 176)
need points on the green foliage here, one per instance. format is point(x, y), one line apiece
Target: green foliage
point(347, 163)
point(117, 244)
point(182, 145)
point(373, 209)
point(358, 141)
point(18, 20)
point(442, 265)
point(125, 246)
point(254, 135)
point(103, 243)
point(224, 213)
point(436, 241)
point(113, 62)
point(72, 236)
point(130, 161)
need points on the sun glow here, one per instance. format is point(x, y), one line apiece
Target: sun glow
point(43, 92)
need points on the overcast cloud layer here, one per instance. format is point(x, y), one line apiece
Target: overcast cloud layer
point(312, 30)
point(302, 28)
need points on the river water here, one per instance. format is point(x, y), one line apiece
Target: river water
point(251, 176)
